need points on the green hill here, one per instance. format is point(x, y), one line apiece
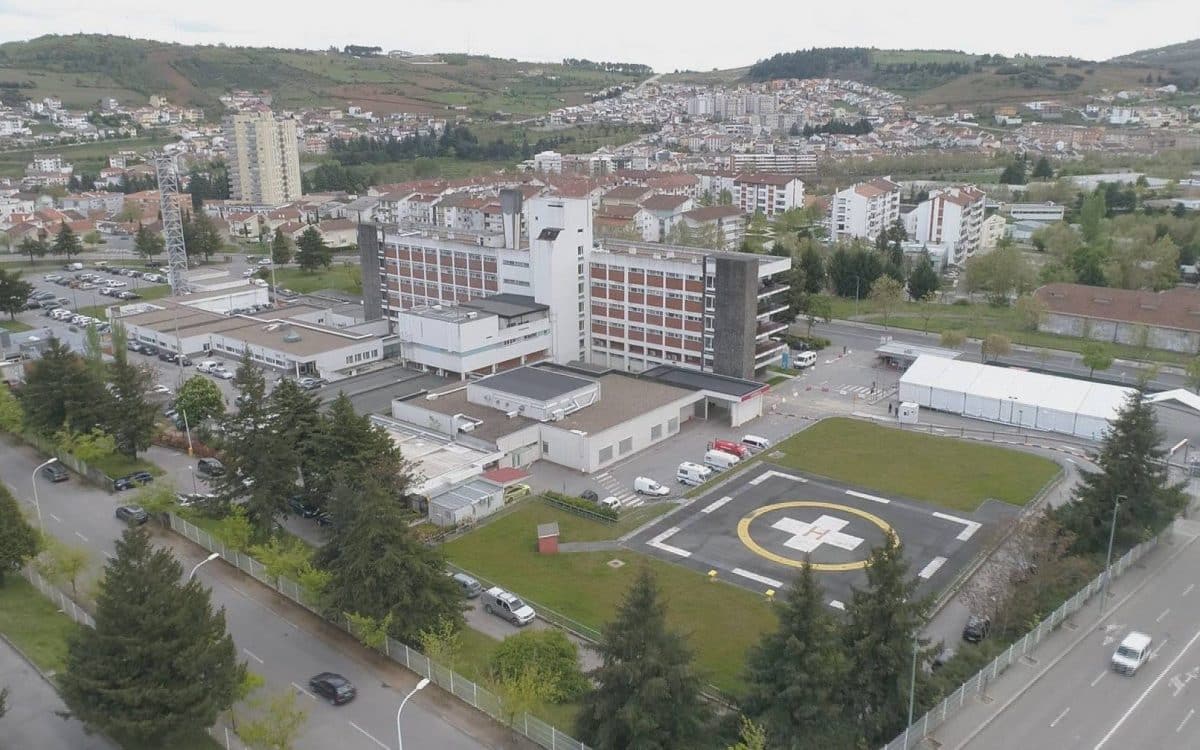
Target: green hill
point(943, 77)
point(1179, 59)
point(83, 68)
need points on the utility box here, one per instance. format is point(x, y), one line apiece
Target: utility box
point(547, 538)
point(908, 412)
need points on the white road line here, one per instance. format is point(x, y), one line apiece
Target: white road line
point(1188, 590)
point(81, 536)
point(768, 474)
point(368, 736)
point(965, 534)
point(1146, 692)
point(107, 554)
point(310, 695)
point(932, 567)
point(1154, 652)
point(658, 543)
point(1165, 612)
point(1179, 728)
point(717, 504)
point(756, 577)
point(836, 604)
point(1099, 677)
point(252, 656)
point(1060, 716)
point(56, 518)
point(865, 496)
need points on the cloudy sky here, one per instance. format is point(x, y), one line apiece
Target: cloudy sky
point(700, 34)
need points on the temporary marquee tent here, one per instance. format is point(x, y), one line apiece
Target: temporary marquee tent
point(1012, 396)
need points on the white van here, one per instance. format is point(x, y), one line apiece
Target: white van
point(647, 486)
point(207, 365)
point(755, 443)
point(800, 360)
point(720, 460)
point(1133, 652)
point(693, 474)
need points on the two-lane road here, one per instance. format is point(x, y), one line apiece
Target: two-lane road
point(285, 652)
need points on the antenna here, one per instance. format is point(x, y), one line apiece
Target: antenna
point(168, 197)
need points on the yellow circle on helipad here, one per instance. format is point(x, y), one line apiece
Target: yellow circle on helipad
point(743, 531)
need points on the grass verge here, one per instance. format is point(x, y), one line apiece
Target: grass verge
point(15, 326)
point(344, 278)
point(35, 625)
point(721, 620)
point(952, 473)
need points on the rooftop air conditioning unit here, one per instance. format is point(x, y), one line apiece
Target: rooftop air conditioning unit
point(557, 414)
point(467, 427)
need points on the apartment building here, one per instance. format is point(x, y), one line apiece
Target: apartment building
point(263, 156)
point(952, 217)
point(767, 193)
point(727, 223)
point(1048, 211)
point(657, 304)
point(803, 163)
point(864, 210)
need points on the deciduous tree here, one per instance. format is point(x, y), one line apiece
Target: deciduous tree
point(159, 665)
point(994, 345)
point(646, 693)
point(556, 657)
point(147, 242)
point(276, 724)
point(1030, 312)
point(14, 292)
point(1000, 274)
point(953, 338)
point(199, 398)
point(34, 247)
point(1096, 356)
point(887, 294)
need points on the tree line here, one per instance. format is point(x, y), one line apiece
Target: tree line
point(631, 69)
point(862, 126)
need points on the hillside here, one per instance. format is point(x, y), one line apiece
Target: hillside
point(1183, 58)
point(83, 68)
point(942, 77)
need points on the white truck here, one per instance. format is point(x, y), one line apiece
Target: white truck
point(498, 602)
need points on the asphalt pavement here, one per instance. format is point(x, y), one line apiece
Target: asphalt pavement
point(280, 641)
point(1065, 693)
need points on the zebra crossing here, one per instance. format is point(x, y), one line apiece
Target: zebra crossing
point(627, 497)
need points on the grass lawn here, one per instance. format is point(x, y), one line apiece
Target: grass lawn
point(344, 278)
point(117, 465)
point(15, 326)
point(35, 625)
point(952, 473)
point(721, 619)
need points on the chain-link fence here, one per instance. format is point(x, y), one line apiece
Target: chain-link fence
point(460, 687)
point(976, 685)
point(61, 600)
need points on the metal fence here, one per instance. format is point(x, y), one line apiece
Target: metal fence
point(460, 687)
point(977, 684)
point(61, 600)
point(76, 464)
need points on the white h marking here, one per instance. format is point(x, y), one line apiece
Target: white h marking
point(807, 537)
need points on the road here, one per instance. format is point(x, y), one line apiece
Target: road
point(278, 641)
point(35, 711)
point(1077, 701)
point(861, 335)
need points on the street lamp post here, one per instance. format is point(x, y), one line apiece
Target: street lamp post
point(420, 686)
point(1112, 532)
point(912, 693)
point(208, 559)
point(857, 279)
point(33, 480)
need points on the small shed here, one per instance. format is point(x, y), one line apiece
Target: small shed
point(547, 538)
point(465, 503)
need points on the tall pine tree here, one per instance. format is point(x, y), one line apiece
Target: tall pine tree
point(347, 449)
point(647, 695)
point(379, 567)
point(129, 418)
point(1133, 465)
point(18, 540)
point(883, 622)
point(159, 664)
point(794, 674)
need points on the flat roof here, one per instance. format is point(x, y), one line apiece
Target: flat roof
point(696, 380)
point(622, 397)
point(492, 424)
point(506, 305)
point(464, 495)
point(534, 382)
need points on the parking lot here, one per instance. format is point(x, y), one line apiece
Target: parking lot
point(758, 528)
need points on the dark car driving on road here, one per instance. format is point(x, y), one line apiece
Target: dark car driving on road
point(55, 472)
point(332, 687)
point(134, 515)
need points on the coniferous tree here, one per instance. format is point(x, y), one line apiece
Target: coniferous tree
point(62, 391)
point(66, 242)
point(297, 420)
point(312, 252)
point(813, 268)
point(348, 448)
point(1132, 466)
point(923, 279)
point(794, 673)
point(18, 540)
point(647, 694)
point(159, 665)
point(281, 247)
point(130, 418)
point(883, 623)
point(378, 567)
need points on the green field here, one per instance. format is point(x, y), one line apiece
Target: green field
point(954, 474)
point(35, 625)
point(344, 278)
point(86, 157)
point(721, 620)
point(15, 326)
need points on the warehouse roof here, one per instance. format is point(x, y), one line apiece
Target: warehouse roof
point(534, 382)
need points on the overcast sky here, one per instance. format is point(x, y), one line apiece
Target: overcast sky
point(701, 34)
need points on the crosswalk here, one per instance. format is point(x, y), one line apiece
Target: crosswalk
point(627, 497)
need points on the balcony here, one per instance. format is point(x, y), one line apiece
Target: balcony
point(771, 306)
point(767, 327)
point(769, 288)
point(768, 350)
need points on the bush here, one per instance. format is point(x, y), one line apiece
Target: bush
point(814, 343)
point(551, 653)
point(570, 502)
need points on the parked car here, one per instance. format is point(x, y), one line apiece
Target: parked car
point(611, 502)
point(310, 384)
point(976, 629)
point(470, 587)
point(756, 443)
point(120, 484)
point(134, 515)
point(647, 486)
point(332, 687)
point(728, 446)
point(590, 495)
point(324, 519)
point(208, 365)
point(1133, 652)
point(223, 373)
point(55, 472)
point(210, 467)
point(301, 508)
point(140, 477)
point(194, 498)
point(516, 492)
point(161, 390)
point(497, 601)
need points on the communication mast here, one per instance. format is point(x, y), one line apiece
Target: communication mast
point(172, 221)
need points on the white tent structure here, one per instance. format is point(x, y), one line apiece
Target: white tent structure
point(1012, 396)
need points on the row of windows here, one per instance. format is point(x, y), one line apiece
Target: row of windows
point(362, 356)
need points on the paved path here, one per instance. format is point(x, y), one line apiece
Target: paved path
point(37, 716)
